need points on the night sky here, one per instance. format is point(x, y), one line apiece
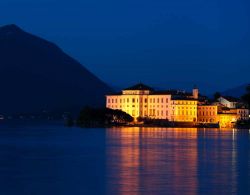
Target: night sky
point(163, 43)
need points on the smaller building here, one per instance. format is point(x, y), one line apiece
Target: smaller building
point(242, 113)
point(184, 109)
point(207, 113)
point(227, 119)
point(228, 101)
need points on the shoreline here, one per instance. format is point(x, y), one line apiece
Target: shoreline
point(163, 126)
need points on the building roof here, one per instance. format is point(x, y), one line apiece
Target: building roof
point(183, 98)
point(176, 94)
point(225, 108)
point(118, 93)
point(230, 98)
point(140, 86)
point(221, 113)
point(172, 92)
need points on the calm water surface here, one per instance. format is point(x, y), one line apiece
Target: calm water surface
point(39, 160)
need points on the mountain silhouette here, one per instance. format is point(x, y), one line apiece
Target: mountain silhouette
point(236, 91)
point(36, 75)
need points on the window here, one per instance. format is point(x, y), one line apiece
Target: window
point(166, 100)
point(133, 100)
point(133, 112)
point(128, 100)
point(145, 100)
point(161, 100)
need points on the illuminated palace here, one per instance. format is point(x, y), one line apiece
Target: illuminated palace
point(177, 106)
point(143, 101)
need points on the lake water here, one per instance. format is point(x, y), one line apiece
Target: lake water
point(39, 160)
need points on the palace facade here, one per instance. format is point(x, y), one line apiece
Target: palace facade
point(143, 101)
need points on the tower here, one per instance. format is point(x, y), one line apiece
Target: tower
point(195, 92)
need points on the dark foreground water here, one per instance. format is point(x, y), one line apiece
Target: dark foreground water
point(41, 160)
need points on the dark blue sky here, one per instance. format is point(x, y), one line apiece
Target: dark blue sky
point(164, 43)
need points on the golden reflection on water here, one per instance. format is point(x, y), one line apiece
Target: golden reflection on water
point(160, 160)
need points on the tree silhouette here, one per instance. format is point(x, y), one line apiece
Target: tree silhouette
point(92, 117)
point(217, 95)
point(246, 97)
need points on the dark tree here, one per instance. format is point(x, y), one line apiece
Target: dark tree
point(217, 95)
point(93, 117)
point(246, 97)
